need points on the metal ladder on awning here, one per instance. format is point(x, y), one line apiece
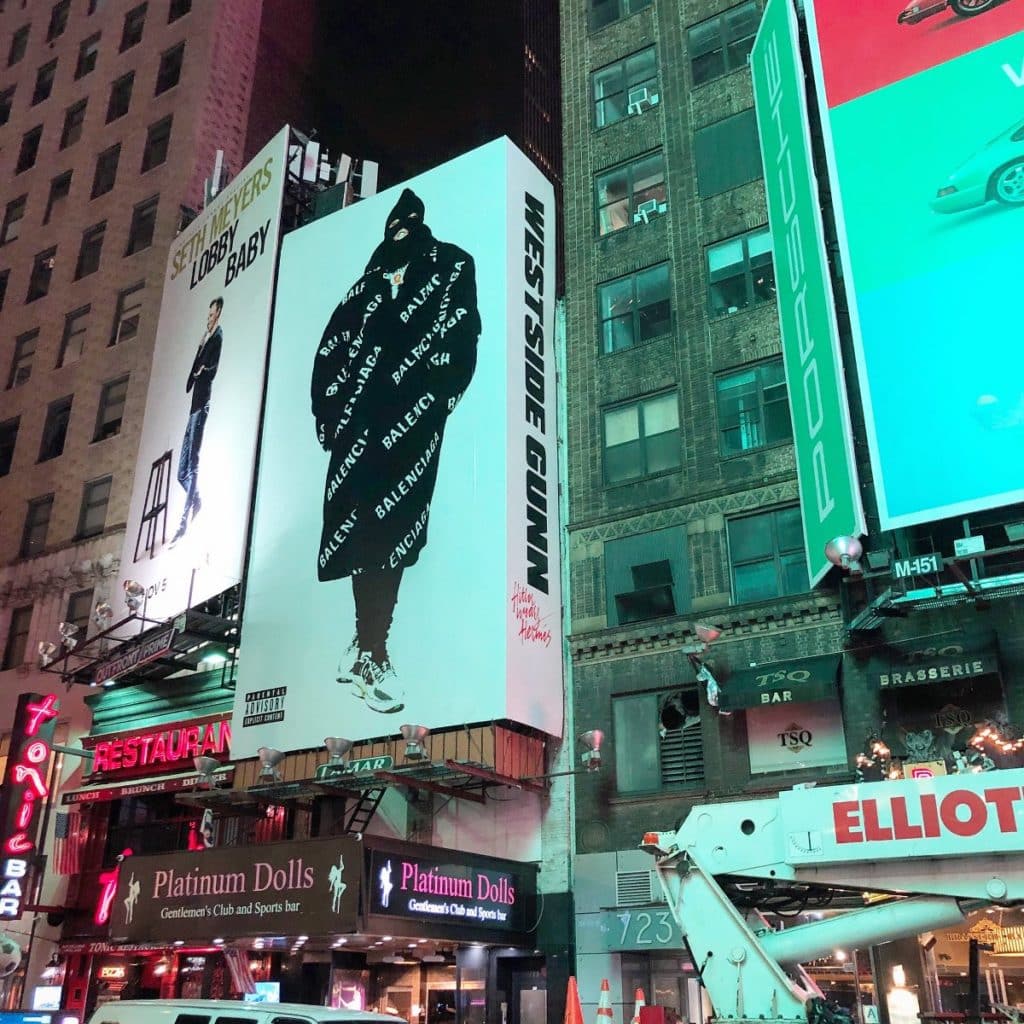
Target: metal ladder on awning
point(364, 808)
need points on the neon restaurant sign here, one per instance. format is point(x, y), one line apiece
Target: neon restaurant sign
point(25, 791)
point(159, 750)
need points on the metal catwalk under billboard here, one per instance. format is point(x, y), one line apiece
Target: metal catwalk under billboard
point(405, 538)
point(928, 187)
point(187, 523)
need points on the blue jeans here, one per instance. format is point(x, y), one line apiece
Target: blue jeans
point(188, 461)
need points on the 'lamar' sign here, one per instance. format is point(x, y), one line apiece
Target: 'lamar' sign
point(275, 889)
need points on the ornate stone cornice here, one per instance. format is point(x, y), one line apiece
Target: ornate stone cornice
point(807, 611)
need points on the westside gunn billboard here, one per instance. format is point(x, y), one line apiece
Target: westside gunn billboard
point(928, 191)
point(405, 536)
point(188, 517)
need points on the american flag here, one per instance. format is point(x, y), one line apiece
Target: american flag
point(71, 837)
point(241, 975)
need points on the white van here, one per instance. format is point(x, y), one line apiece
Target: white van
point(229, 1011)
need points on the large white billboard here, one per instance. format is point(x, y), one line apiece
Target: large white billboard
point(189, 513)
point(405, 563)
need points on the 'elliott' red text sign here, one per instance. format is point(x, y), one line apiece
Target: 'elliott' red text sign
point(949, 815)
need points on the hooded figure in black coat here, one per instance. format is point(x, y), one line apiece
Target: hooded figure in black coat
point(392, 364)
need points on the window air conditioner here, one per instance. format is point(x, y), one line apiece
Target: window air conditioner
point(641, 98)
point(648, 209)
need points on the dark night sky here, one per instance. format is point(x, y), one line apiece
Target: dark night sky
point(414, 83)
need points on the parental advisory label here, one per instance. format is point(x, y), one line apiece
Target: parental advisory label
point(262, 706)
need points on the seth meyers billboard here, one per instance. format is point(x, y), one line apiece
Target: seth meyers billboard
point(925, 143)
point(189, 509)
point(405, 563)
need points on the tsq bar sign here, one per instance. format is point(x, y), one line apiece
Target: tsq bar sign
point(829, 495)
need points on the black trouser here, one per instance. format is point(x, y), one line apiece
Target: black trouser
point(376, 594)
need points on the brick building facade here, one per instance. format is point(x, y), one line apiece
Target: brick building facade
point(110, 117)
point(683, 496)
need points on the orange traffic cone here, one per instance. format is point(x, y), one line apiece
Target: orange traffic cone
point(604, 1007)
point(640, 1001)
point(573, 1009)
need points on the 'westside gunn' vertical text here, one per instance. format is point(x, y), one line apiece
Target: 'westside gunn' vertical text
point(536, 419)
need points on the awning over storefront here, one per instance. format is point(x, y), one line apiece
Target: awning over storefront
point(143, 787)
point(797, 681)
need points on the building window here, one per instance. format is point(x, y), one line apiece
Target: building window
point(79, 611)
point(44, 82)
point(127, 314)
point(92, 517)
point(727, 154)
point(37, 524)
point(55, 429)
point(21, 362)
point(6, 102)
point(106, 170)
point(58, 20)
point(646, 576)
point(73, 340)
point(158, 139)
point(90, 251)
point(88, 52)
point(634, 309)
point(722, 44)
point(604, 12)
point(13, 213)
point(134, 22)
point(8, 441)
point(19, 43)
point(42, 274)
point(178, 9)
point(111, 409)
point(658, 741)
point(631, 194)
point(626, 87)
point(753, 408)
point(60, 189)
point(17, 637)
point(29, 149)
point(140, 233)
point(641, 438)
point(120, 97)
point(169, 72)
point(741, 273)
point(73, 121)
point(766, 553)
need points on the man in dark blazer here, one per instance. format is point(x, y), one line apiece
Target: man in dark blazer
point(200, 384)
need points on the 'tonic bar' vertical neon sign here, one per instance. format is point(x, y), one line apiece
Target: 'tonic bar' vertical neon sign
point(25, 791)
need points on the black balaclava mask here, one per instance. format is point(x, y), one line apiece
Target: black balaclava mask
point(406, 216)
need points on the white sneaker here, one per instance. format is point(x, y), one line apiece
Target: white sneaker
point(384, 694)
point(353, 657)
